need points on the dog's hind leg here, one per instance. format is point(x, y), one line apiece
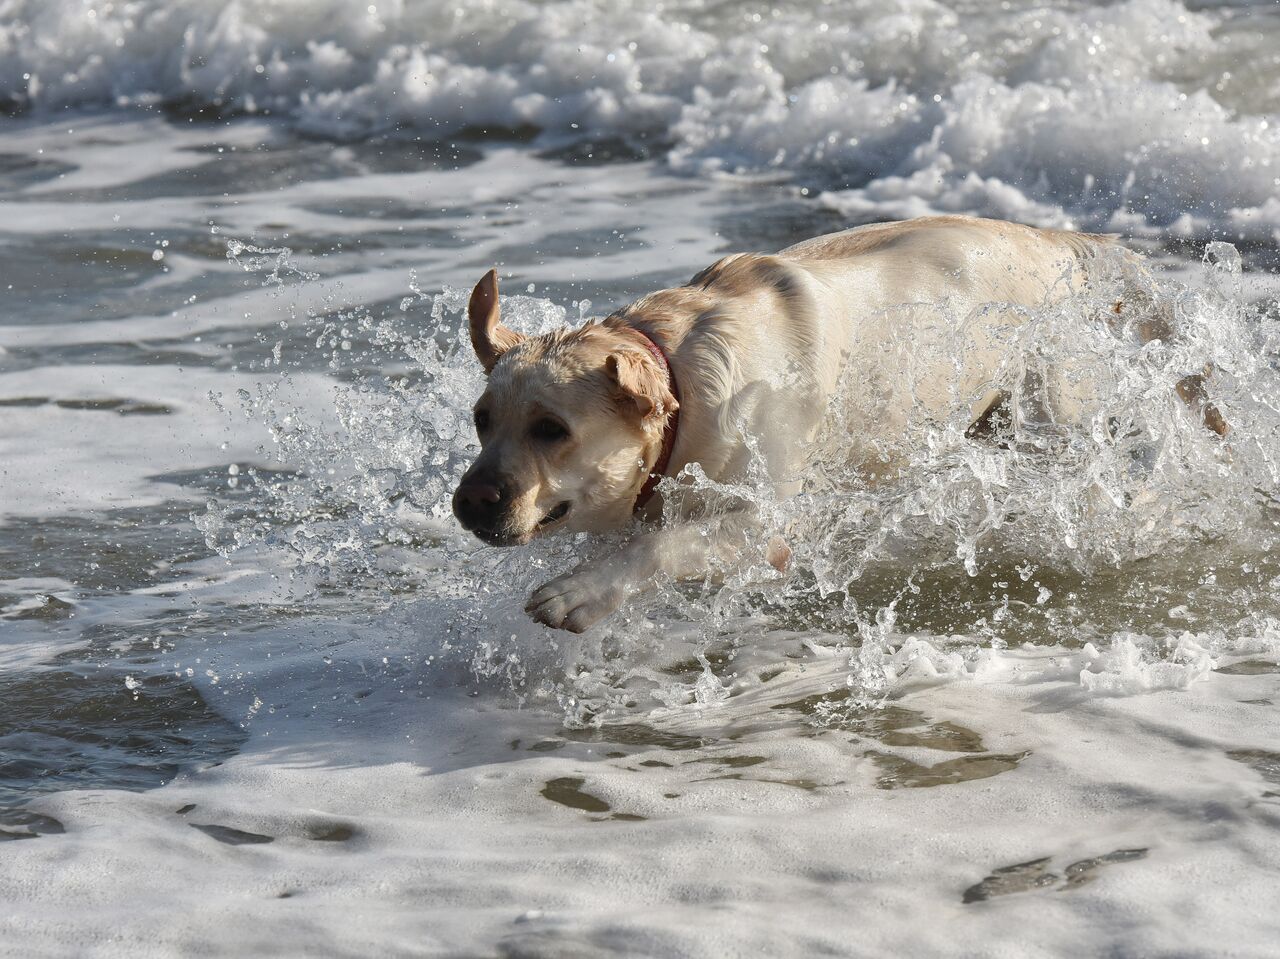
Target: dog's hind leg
point(1194, 394)
point(1191, 388)
point(995, 423)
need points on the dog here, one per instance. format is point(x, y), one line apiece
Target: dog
point(739, 367)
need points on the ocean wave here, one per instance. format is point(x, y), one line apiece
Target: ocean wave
point(1140, 116)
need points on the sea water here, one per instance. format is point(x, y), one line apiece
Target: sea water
point(260, 694)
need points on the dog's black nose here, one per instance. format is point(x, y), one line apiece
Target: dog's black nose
point(477, 505)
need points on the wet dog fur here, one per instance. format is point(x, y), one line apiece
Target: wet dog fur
point(571, 423)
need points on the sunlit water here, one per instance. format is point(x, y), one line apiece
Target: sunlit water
point(1031, 690)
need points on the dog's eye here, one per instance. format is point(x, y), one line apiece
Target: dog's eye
point(549, 430)
point(482, 420)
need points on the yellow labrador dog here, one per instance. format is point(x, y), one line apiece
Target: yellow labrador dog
point(738, 366)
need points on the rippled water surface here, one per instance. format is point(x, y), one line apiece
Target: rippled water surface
point(256, 686)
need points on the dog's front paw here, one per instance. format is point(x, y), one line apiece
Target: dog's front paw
point(575, 601)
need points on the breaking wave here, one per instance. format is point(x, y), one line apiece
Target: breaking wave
point(1143, 116)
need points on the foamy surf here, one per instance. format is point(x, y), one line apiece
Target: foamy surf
point(424, 820)
point(1147, 116)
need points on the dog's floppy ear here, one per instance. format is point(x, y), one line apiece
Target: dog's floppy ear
point(641, 380)
point(489, 338)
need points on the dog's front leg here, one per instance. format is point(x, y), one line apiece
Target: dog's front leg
point(583, 597)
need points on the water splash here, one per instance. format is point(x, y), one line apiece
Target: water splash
point(1078, 529)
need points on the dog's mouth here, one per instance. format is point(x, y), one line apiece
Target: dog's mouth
point(557, 514)
point(500, 536)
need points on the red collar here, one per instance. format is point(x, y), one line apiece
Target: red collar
point(669, 431)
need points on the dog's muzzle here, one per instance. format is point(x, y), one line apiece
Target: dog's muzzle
point(479, 504)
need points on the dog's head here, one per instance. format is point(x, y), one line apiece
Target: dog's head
point(568, 424)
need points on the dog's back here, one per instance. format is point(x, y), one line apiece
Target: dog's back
point(930, 310)
point(905, 320)
point(982, 278)
point(951, 258)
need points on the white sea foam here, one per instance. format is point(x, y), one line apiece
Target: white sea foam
point(447, 833)
point(1140, 115)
